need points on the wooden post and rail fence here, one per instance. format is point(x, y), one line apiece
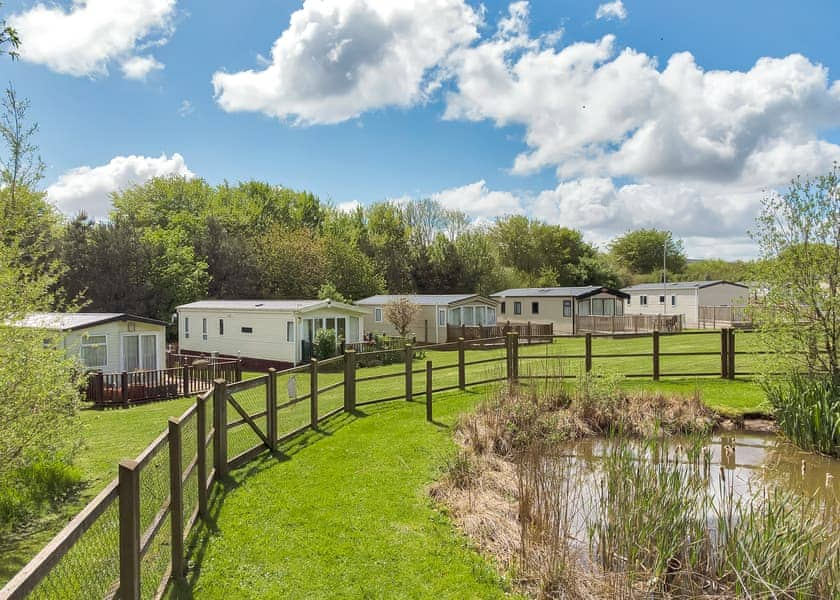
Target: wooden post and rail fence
point(108, 550)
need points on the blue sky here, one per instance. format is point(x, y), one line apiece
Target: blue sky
point(512, 107)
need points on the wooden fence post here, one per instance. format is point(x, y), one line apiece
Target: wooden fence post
point(429, 391)
point(509, 357)
point(515, 346)
point(238, 370)
point(313, 392)
point(185, 379)
point(201, 454)
point(350, 380)
point(271, 409)
point(220, 462)
point(724, 354)
point(176, 499)
point(588, 352)
point(409, 379)
point(656, 355)
point(462, 367)
point(731, 370)
point(124, 387)
point(129, 491)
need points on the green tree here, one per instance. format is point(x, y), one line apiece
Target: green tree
point(386, 241)
point(714, 269)
point(109, 268)
point(291, 263)
point(640, 251)
point(39, 386)
point(329, 292)
point(798, 235)
point(9, 39)
point(20, 165)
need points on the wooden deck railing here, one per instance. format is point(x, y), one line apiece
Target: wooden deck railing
point(527, 331)
point(723, 316)
point(127, 388)
point(628, 323)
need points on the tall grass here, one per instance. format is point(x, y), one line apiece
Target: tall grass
point(807, 410)
point(27, 490)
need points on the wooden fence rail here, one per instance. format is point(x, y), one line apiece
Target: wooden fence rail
point(104, 551)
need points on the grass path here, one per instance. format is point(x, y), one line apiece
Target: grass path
point(344, 514)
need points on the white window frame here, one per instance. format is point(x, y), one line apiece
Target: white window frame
point(290, 332)
point(221, 327)
point(140, 335)
point(186, 327)
point(377, 315)
point(567, 309)
point(517, 308)
point(441, 317)
point(673, 300)
point(535, 304)
point(83, 344)
point(204, 328)
point(642, 300)
point(662, 299)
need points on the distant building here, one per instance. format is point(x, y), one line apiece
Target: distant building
point(268, 332)
point(558, 305)
point(108, 342)
point(436, 312)
point(688, 298)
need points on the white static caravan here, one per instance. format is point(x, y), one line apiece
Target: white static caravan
point(107, 342)
point(683, 298)
point(269, 332)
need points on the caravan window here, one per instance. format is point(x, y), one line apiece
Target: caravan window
point(95, 351)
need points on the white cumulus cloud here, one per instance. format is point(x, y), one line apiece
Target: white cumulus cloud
point(340, 58)
point(86, 37)
point(478, 201)
point(589, 109)
point(89, 189)
point(611, 10)
point(139, 67)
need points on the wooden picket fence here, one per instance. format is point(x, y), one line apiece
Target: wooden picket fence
point(132, 540)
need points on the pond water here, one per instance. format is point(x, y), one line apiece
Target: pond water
point(748, 461)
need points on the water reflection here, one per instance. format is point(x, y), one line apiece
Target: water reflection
point(749, 461)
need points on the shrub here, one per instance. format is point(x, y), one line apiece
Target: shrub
point(807, 410)
point(325, 344)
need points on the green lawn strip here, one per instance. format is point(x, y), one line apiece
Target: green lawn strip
point(108, 437)
point(345, 514)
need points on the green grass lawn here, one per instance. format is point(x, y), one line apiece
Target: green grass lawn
point(108, 437)
point(344, 513)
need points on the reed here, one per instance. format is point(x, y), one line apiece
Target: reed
point(807, 410)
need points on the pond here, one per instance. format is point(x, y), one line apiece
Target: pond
point(749, 461)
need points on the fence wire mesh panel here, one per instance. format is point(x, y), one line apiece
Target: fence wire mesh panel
point(330, 385)
point(154, 520)
point(208, 457)
point(189, 455)
point(387, 380)
point(293, 390)
point(91, 567)
point(241, 437)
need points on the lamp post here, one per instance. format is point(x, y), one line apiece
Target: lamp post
point(664, 277)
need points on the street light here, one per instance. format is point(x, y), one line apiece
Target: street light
point(664, 278)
